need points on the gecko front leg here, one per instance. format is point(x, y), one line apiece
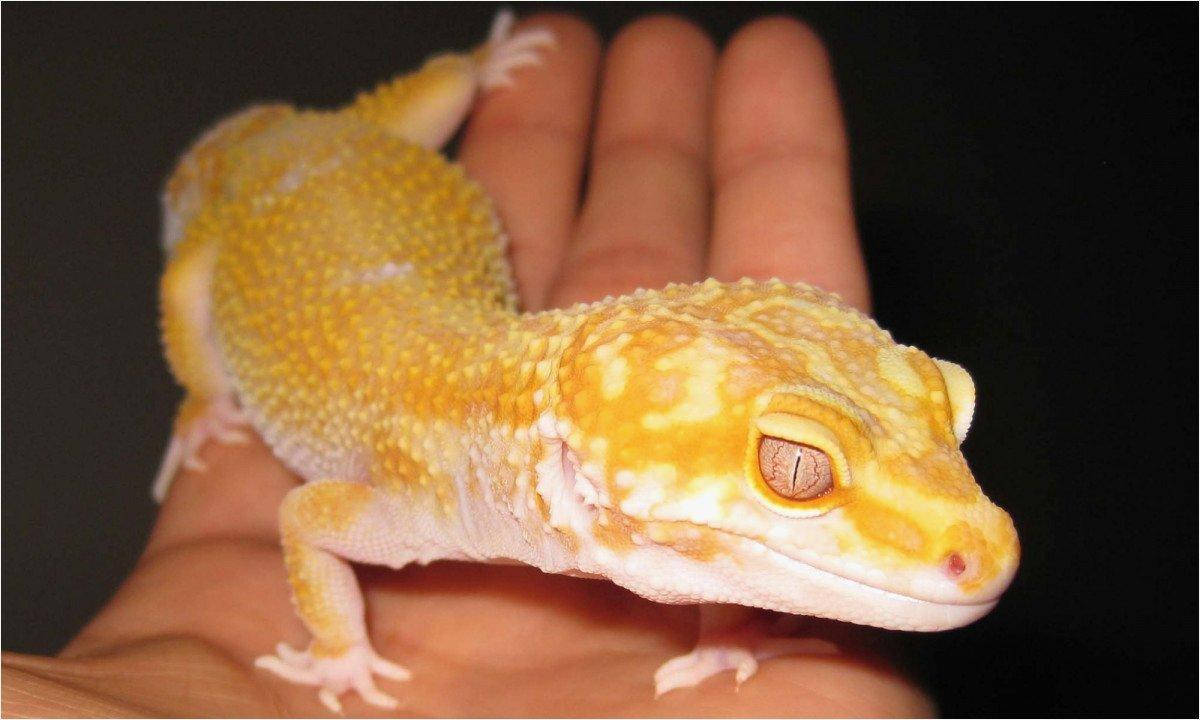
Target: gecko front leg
point(323, 526)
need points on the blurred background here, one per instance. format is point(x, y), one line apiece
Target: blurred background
point(1026, 190)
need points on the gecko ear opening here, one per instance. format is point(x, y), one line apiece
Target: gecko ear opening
point(961, 391)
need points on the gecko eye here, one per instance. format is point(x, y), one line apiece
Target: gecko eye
point(796, 465)
point(793, 470)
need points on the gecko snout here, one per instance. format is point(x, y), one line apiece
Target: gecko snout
point(967, 559)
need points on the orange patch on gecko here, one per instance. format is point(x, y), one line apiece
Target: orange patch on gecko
point(309, 576)
point(615, 531)
point(981, 556)
point(886, 528)
point(324, 507)
point(694, 542)
point(939, 472)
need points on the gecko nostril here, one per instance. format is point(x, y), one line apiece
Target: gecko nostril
point(956, 565)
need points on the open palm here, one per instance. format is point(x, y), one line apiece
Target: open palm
point(695, 165)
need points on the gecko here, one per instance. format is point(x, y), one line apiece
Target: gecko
point(336, 285)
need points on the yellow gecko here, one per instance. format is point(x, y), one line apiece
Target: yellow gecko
point(338, 286)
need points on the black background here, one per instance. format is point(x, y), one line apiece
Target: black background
point(1025, 182)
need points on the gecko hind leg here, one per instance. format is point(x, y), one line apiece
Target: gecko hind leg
point(323, 526)
point(197, 422)
point(209, 409)
point(426, 107)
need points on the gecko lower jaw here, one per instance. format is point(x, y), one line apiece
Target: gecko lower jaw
point(837, 596)
point(874, 603)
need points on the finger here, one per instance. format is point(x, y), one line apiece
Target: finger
point(781, 165)
point(645, 217)
point(526, 145)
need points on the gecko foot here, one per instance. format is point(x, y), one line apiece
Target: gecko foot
point(702, 663)
point(742, 657)
point(352, 670)
point(505, 51)
point(198, 421)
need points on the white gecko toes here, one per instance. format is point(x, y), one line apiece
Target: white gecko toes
point(351, 670)
point(218, 420)
point(506, 52)
point(702, 663)
point(710, 659)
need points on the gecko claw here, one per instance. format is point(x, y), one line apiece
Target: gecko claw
point(390, 670)
point(329, 700)
point(194, 463)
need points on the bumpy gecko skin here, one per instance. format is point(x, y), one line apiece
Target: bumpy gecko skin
point(342, 288)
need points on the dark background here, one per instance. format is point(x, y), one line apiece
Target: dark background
point(1026, 188)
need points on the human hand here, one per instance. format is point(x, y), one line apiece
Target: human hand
point(697, 166)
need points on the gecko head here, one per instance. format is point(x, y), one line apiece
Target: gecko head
point(764, 444)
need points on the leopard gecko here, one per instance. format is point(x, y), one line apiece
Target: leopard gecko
point(335, 284)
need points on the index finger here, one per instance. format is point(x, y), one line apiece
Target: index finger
point(782, 205)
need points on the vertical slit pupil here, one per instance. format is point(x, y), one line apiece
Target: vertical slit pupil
point(794, 470)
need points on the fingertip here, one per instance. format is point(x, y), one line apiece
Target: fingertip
point(779, 34)
point(776, 92)
point(665, 32)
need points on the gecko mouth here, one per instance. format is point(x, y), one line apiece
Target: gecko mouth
point(925, 585)
point(826, 592)
point(871, 604)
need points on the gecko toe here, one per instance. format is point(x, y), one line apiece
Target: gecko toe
point(334, 675)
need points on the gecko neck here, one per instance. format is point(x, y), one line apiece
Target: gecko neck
point(468, 449)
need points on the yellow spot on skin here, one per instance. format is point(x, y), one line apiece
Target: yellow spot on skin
point(328, 507)
point(695, 542)
point(616, 372)
point(894, 367)
point(701, 400)
point(884, 526)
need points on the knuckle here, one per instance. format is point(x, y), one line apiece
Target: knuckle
point(660, 148)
